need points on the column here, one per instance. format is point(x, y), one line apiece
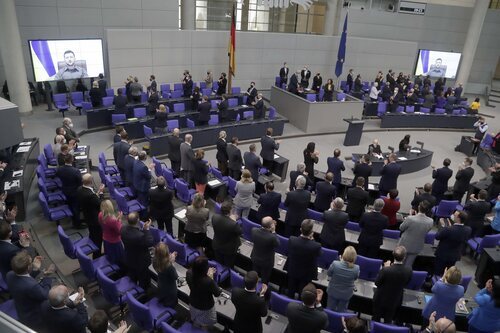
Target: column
point(11, 53)
point(473, 35)
point(188, 14)
point(331, 21)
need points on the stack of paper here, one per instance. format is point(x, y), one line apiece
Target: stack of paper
point(23, 149)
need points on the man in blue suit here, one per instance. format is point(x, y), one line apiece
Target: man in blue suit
point(390, 173)
point(269, 203)
point(335, 166)
point(128, 164)
point(252, 162)
point(27, 293)
point(325, 192)
point(120, 150)
point(142, 179)
point(71, 179)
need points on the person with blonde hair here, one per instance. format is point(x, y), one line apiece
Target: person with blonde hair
point(244, 194)
point(200, 171)
point(161, 119)
point(343, 273)
point(111, 224)
point(196, 224)
point(163, 262)
point(446, 293)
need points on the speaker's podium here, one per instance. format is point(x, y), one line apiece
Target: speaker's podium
point(354, 131)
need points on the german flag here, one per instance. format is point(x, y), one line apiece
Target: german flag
point(231, 52)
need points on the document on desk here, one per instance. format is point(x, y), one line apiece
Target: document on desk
point(416, 151)
point(13, 184)
point(402, 158)
point(26, 143)
point(81, 157)
point(17, 173)
point(276, 156)
point(181, 214)
point(213, 182)
point(371, 187)
point(23, 149)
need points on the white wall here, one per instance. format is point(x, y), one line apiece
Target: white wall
point(259, 56)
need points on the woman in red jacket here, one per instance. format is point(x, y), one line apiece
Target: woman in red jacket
point(391, 207)
point(111, 224)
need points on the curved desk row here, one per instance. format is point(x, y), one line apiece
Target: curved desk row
point(426, 120)
point(409, 161)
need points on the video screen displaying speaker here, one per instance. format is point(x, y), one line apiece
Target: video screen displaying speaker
point(437, 64)
point(66, 59)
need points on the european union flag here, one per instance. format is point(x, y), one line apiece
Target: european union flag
point(341, 55)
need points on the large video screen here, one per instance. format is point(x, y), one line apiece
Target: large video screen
point(437, 64)
point(66, 59)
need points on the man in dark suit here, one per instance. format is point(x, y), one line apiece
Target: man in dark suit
point(7, 249)
point(142, 179)
point(302, 262)
point(357, 199)
point(250, 305)
point(70, 132)
point(251, 93)
point(221, 155)
point(269, 203)
point(363, 169)
point(301, 171)
point(223, 107)
point(204, 110)
point(305, 75)
point(451, 239)
point(283, 75)
point(297, 202)
point(462, 179)
point(268, 147)
point(335, 166)
point(128, 164)
point(71, 179)
point(227, 234)
point(28, 293)
point(350, 81)
point(120, 102)
point(61, 315)
point(259, 107)
point(90, 204)
point(390, 173)
point(441, 177)
point(333, 234)
point(221, 90)
point(235, 159)
point(137, 243)
point(103, 84)
point(390, 282)
point(372, 225)
point(426, 195)
point(252, 162)
point(307, 316)
point(187, 159)
point(458, 92)
point(120, 150)
point(187, 85)
point(317, 82)
point(161, 208)
point(265, 243)
point(325, 192)
point(476, 209)
point(174, 152)
point(293, 85)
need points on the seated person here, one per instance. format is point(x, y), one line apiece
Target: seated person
point(374, 149)
point(65, 150)
point(404, 144)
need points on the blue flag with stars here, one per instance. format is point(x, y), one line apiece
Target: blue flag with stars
point(341, 55)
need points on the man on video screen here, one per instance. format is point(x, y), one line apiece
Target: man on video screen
point(438, 69)
point(70, 70)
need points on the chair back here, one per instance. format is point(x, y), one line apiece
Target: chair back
point(235, 90)
point(45, 205)
point(148, 132)
point(165, 88)
point(417, 280)
point(169, 177)
point(144, 97)
point(189, 123)
point(49, 153)
point(176, 246)
point(386, 328)
point(102, 159)
point(410, 109)
point(158, 169)
point(176, 94)
point(60, 99)
point(110, 92)
point(231, 186)
point(77, 97)
point(177, 86)
point(107, 101)
point(140, 313)
point(118, 118)
point(354, 226)
point(179, 107)
point(108, 287)
point(42, 161)
point(311, 97)
point(425, 110)
point(488, 241)
point(368, 267)
point(465, 281)
point(214, 119)
point(67, 244)
point(439, 110)
point(430, 237)
point(109, 183)
point(206, 91)
point(42, 188)
point(237, 281)
point(120, 200)
point(446, 208)
point(279, 303)
point(248, 114)
point(335, 320)
point(381, 107)
point(139, 112)
point(215, 86)
point(314, 214)
point(272, 112)
point(86, 106)
point(321, 94)
point(487, 141)
point(232, 102)
point(247, 227)
point(283, 245)
point(172, 124)
point(400, 109)
point(327, 257)
point(394, 234)
point(86, 264)
point(182, 190)
point(340, 97)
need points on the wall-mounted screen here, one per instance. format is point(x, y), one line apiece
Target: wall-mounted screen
point(437, 64)
point(66, 59)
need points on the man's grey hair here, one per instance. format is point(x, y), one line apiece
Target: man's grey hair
point(300, 183)
point(133, 151)
point(188, 138)
point(378, 205)
point(58, 296)
point(301, 167)
point(66, 121)
point(338, 203)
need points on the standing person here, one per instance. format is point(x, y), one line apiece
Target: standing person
point(333, 233)
point(187, 158)
point(441, 177)
point(350, 81)
point(103, 84)
point(342, 275)
point(203, 288)
point(209, 79)
point(358, 86)
point(196, 224)
point(329, 89)
point(187, 86)
point(268, 148)
point(71, 179)
point(484, 318)
point(302, 262)
point(223, 112)
point(221, 156)
point(137, 243)
point(204, 110)
point(307, 316)
point(390, 173)
point(61, 315)
point(120, 102)
point(111, 224)
point(391, 208)
point(120, 150)
point(200, 171)
point(153, 86)
point(413, 231)
point(251, 93)
point(160, 121)
point(95, 95)
point(374, 92)
point(462, 179)
point(427, 196)
point(128, 164)
point(265, 243)
point(474, 106)
point(128, 92)
point(142, 179)
point(161, 208)
point(372, 225)
point(235, 160)
point(297, 202)
point(153, 103)
point(269, 203)
point(222, 84)
point(293, 85)
point(252, 162)
point(481, 129)
point(136, 90)
point(317, 82)
point(445, 294)
point(250, 305)
point(227, 235)
point(452, 240)
point(284, 75)
point(310, 158)
point(335, 166)
point(390, 282)
point(477, 208)
point(357, 199)
point(90, 204)
point(305, 75)
point(245, 189)
point(363, 169)
point(174, 152)
point(163, 263)
point(325, 192)
point(258, 104)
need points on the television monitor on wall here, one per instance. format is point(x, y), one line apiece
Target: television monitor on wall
point(437, 64)
point(66, 59)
